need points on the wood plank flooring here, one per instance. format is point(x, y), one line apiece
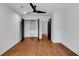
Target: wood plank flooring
point(35, 47)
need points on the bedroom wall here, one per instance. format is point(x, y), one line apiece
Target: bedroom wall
point(56, 27)
point(9, 28)
point(71, 28)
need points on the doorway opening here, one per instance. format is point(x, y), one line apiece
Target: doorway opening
point(31, 29)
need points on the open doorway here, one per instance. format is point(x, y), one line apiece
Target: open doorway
point(31, 28)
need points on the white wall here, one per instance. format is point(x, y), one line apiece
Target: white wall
point(45, 26)
point(71, 28)
point(56, 27)
point(9, 28)
point(65, 27)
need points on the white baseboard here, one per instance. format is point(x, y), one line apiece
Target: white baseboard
point(56, 41)
point(10, 47)
point(70, 48)
point(65, 46)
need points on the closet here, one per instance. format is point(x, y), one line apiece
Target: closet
point(31, 28)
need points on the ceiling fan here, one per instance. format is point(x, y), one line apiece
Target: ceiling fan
point(34, 9)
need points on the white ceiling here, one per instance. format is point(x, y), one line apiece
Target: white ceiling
point(47, 7)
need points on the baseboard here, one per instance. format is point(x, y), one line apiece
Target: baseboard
point(69, 48)
point(9, 47)
point(65, 46)
point(56, 41)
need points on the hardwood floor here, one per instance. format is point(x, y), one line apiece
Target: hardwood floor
point(35, 47)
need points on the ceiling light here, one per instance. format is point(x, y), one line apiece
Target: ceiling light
point(43, 19)
point(25, 12)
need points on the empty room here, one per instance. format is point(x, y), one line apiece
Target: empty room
point(39, 29)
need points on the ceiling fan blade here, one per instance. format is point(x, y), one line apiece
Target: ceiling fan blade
point(40, 12)
point(29, 12)
point(34, 9)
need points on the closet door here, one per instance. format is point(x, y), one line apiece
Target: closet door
point(34, 28)
point(27, 28)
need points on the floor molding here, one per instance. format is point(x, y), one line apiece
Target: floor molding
point(9, 47)
point(59, 42)
point(66, 47)
point(69, 49)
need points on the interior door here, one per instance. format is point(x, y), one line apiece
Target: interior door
point(49, 29)
point(22, 29)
